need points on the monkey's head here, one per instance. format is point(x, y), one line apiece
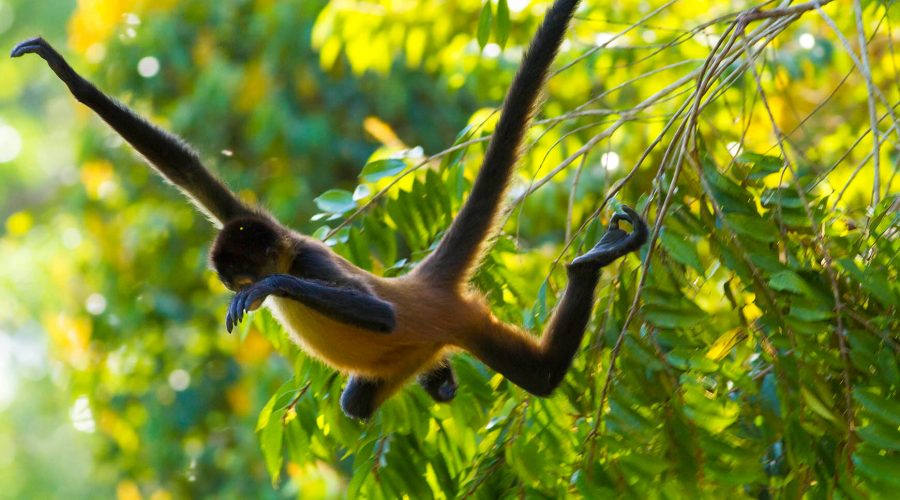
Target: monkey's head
point(246, 250)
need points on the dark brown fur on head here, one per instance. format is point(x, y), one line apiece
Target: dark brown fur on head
point(246, 250)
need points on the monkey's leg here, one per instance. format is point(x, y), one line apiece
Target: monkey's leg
point(439, 382)
point(360, 397)
point(346, 305)
point(538, 366)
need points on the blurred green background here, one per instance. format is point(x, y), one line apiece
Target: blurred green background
point(761, 361)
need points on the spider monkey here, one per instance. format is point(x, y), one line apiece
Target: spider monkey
point(383, 331)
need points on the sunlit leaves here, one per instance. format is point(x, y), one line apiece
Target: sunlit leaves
point(335, 201)
point(379, 169)
point(502, 21)
point(708, 409)
point(682, 250)
point(731, 378)
point(762, 165)
point(789, 281)
point(484, 23)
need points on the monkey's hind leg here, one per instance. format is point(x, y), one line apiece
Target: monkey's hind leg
point(360, 397)
point(439, 382)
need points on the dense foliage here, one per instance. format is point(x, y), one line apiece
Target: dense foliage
point(750, 349)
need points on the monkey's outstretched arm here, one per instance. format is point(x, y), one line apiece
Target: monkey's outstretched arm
point(167, 153)
point(538, 366)
point(346, 305)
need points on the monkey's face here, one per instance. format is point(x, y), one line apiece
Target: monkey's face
point(245, 251)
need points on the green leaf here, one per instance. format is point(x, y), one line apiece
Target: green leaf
point(277, 399)
point(874, 282)
point(763, 165)
point(271, 442)
point(713, 412)
point(681, 250)
point(789, 281)
point(335, 201)
point(819, 407)
point(484, 24)
point(502, 31)
point(361, 192)
point(525, 458)
point(671, 318)
point(785, 197)
point(752, 226)
point(731, 197)
point(266, 413)
point(888, 411)
point(880, 436)
point(321, 232)
point(379, 169)
point(807, 314)
point(878, 467)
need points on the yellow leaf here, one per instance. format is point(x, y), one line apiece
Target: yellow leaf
point(161, 494)
point(128, 490)
point(97, 177)
point(94, 22)
point(254, 87)
point(119, 429)
point(239, 399)
point(19, 223)
point(382, 132)
point(71, 336)
point(723, 345)
point(204, 49)
point(752, 312)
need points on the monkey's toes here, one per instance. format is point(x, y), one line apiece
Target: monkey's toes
point(446, 392)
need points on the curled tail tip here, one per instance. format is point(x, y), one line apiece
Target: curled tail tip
point(26, 46)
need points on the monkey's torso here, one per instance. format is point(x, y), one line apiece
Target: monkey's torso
point(429, 321)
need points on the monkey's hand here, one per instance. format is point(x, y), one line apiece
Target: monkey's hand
point(346, 305)
point(615, 243)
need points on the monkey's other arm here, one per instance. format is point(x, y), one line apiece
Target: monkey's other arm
point(354, 307)
point(539, 366)
point(169, 154)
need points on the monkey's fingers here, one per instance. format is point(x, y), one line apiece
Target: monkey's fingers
point(615, 243)
point(639, 231)
point(235, 313)
point(246, 301)
point(254, 297)
point(228, 325)
point(231, 318)
point(614, 221)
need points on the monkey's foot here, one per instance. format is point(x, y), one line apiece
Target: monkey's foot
point(442, 392)
point(445, 392)
point(615, 243)
point(440, 383)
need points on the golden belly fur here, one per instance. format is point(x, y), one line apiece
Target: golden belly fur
point(426, 325)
